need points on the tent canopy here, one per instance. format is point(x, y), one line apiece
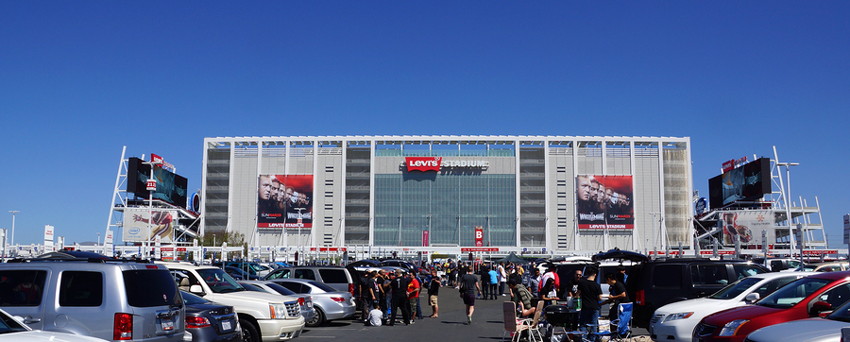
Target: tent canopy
point(514, 259)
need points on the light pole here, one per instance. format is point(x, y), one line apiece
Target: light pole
point(785, 197)
point(13, 212)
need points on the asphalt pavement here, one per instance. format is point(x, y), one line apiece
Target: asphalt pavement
point(487, 324)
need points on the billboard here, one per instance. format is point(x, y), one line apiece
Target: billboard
point(170, 187)
point(746, 226)
point(745, 183)
point(137, 226)
point(285, 201)
point(604, 202)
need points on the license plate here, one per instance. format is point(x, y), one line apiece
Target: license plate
point(167, 325)
point(225, 325)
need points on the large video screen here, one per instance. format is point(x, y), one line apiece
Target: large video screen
point(749, 182)
point(170, 187)
point(285, 201)
point(605, 202)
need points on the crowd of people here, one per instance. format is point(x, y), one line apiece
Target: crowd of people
point(384, 294)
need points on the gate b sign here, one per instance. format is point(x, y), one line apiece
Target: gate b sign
point(479, 236)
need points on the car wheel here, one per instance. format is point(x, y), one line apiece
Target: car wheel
point(317, 320)
point(250, 332)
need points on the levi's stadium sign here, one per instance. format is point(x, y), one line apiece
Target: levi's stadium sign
point(437, 163)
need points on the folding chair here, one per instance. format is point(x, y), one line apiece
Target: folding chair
point(513, 327)
point(533, 324)
point(622, 323)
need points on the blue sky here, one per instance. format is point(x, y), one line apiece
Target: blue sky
point(79, 80)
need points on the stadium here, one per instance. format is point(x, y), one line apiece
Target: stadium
point(450, 194)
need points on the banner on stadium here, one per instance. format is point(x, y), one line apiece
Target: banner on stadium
point(604, 202)
point(285, 201)
point(747, 225)
point(479, 236)
point(138, 226)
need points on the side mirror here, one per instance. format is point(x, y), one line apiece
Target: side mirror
point(752, 298)
point(196, 289)
point(820, 307)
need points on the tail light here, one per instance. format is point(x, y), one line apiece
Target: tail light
point(122, 328)
point(338, 299)
point(640, 297)
point(351, 288)
point(197, 322)
point(301, 301)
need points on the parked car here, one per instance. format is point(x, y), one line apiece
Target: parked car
point(239, 274)
point(779, 264)
point(208, 321)
point(811, 296)
point(655, 283)
point(818, 329)
point(255, 269)
point(262, 316)
point(827, 267)
point(407, 265)
point(336, 277)
point(329, 303)
point(13, 330)
point(100, 297)
point(304, 300)
point(676, 321)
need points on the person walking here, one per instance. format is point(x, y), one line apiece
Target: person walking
point(468, 285)
point(503, 279)
point(400, 302)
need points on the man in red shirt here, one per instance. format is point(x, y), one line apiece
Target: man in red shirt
point(412, 294)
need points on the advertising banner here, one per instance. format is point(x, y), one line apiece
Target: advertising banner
point(285, 201)
point(137, 226)
point(746, 226)
point(479, 236)
point(847, 229)
point(48, 238)
point(604, 202)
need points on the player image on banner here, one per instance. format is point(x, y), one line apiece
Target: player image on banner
point(746, 226)
point(604, 202)
point(285, 201)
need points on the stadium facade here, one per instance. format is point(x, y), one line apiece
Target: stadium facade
point(445, 193)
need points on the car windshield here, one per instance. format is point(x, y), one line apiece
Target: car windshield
point(219, 281)
point(191, 299)
point(793, 293)
point(323, 286)
point(280, 289)
point(9, 324)
point(734, 289)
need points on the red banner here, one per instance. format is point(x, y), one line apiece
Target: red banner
point(423, 163)
point(479, 237)
point(425, 242)
point(479, 249)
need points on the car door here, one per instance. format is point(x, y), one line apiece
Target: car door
point(304, 273)
point(23, 293)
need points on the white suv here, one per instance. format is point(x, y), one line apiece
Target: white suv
point(262, 316)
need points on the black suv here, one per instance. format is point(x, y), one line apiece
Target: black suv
point(655, 283)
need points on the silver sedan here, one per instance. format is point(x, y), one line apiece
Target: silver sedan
point(329, 303)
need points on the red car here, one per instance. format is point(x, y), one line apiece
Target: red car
point(812, 296)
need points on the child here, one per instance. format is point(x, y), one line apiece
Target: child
point(375, 316)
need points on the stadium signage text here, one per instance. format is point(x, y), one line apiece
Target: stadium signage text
point(436, 164)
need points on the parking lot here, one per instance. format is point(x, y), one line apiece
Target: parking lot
point(487, 324)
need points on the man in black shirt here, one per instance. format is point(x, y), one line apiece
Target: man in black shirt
point(434, 294)
point(590, 293)
point(617, 295)
point(468, 285)
point(400, 302)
